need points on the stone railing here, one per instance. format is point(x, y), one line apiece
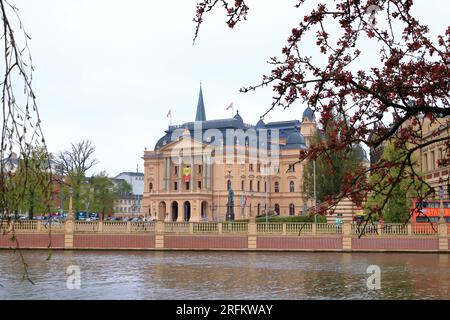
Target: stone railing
point(299, 228)
point(115, 226)
point(329, 228)
point(30, 226)
point(142, 227)
point(271, 228)
point(205, 227)
point(242, 235)
point(86, 226)
point(395, 229)
point(234, 227)
point(425, 229)
point(177, 227)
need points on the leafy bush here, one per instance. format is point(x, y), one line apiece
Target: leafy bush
point(275, 218)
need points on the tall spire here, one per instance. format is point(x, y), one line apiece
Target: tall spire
point(201, 115)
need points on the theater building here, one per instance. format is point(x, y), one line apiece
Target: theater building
point(189, 174)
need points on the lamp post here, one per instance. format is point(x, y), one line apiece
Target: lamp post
point(267, 194)
point(61, 193)
point(251, 201)
point(70, 213)
point(315, 194)
point(441, 205)
point(213, 208)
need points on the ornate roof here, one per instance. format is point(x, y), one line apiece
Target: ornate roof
point(308, 114)
point(200, 115)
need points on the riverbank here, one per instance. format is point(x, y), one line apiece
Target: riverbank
point(216, 236)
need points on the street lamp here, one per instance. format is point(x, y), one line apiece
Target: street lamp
point(315, 194)
point(441, 205)
point(213, 207)
point(70, 213)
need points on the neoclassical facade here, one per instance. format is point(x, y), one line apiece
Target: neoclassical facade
point(188, 175)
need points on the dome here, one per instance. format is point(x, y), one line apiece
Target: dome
point(238, 117)
point(162, 142)
point(260, 124)
point(308, 114)
point(295, 140)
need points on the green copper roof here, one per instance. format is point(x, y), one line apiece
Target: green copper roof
point(201, 115)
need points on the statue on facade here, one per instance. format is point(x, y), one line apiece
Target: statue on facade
point(230, 205)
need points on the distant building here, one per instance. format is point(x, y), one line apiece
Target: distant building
point(194, 166)
point(135, 179)
point(129, 204)
point(429, 156)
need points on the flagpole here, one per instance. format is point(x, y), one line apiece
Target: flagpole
point(169, 114)
point(231, 106)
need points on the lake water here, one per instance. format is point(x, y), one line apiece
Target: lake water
point(224, 275)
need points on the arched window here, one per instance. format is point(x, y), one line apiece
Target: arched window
point(292, 209)
point(251, 185)
point(291, 186)
point(258, 185)
point(277, 209)
point(228, 184)
point(277, 186)
point(242, 185)
point(150, 187)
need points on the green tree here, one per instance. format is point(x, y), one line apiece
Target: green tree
point(393, 201)
point(331, 168)
point(104, 194)
point(123, 187)
point(31, 184)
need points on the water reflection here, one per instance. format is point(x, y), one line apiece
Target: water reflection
point(225, 275)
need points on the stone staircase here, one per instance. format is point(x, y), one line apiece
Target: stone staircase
point(344, 211)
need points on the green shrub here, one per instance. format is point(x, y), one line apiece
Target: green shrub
point(274, 218)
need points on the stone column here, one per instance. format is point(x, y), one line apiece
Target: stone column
point(442, 229)
point(314, 229)
point(443, 236)
point(180, 217)
point(159, 235)
point(39, 226)
point(69, 227)
point(251, 238)
point(347, 236)
point(193, 186)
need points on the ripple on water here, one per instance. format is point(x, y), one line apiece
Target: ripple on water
point(224, 275)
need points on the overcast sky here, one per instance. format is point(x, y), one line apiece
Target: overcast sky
point(109, 70)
